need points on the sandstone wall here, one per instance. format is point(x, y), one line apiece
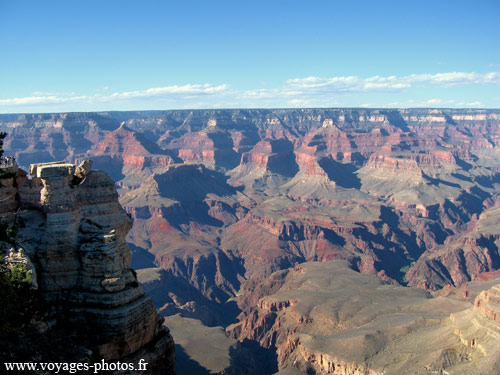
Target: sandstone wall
point(73, 229)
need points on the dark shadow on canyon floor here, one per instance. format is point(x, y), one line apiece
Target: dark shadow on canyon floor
point(249, 358)
point(185, 365)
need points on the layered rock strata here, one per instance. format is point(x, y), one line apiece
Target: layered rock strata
point(399, 193)
point(72, 228)
point(324, 318)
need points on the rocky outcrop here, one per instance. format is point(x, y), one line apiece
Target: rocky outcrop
point(454, 264)
point(125, 150)
point(49, 137)
point(309, 163)
point(410, 196)
point(432, 170)
point(469, 255)
point(259, 155)
point(324, 318)
point(488, 302)
point(72, 229)
point(196, 147)
point(478, 328)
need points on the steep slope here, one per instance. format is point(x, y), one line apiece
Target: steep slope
point(419, 177)
point(463, 257)
point(223, 198)
point(50, 137)
point(128, 154)
point(324, 318)
point(71, 231)
point(179, 215)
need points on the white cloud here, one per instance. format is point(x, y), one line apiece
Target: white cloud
point(43, 99)
point(457, 78)
point(296, 92)
point(190, 89)
point(434, 101)
point(475, 104)
point(177, 92)
point(391, 83)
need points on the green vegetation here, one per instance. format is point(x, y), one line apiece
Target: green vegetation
point(19, 302)
point(20, 276)
point(16, 299)
point(8, 233)
point(405, 269)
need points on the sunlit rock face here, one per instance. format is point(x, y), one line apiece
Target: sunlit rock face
point(225, 200)
point(395, 191)
point(73, 229)
point(325, 318)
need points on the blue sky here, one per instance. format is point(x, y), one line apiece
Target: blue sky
point(91, 55)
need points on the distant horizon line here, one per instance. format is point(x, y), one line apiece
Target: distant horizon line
point(253, 108)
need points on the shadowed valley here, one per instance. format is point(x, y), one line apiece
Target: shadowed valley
point(318, 241)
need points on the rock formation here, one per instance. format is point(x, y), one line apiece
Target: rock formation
point(221, 199)
point(72, 229)
point(324, 318)
point(386, 189)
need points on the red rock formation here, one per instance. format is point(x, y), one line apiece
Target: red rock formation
point(196, 148)
point(431, 169)
point(308, 162)
point(130, 149)
point(259, 155)
point(454, 263)
point(488, 302)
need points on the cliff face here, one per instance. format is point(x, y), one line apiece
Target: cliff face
point(387, 190)
point(410, 196)
point(72, 229)
point(324, 318)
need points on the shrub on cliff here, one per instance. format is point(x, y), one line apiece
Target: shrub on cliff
point(16, 299)
point(8, 233)
point(19, 303)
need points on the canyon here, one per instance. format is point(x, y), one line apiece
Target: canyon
point(321, 240)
